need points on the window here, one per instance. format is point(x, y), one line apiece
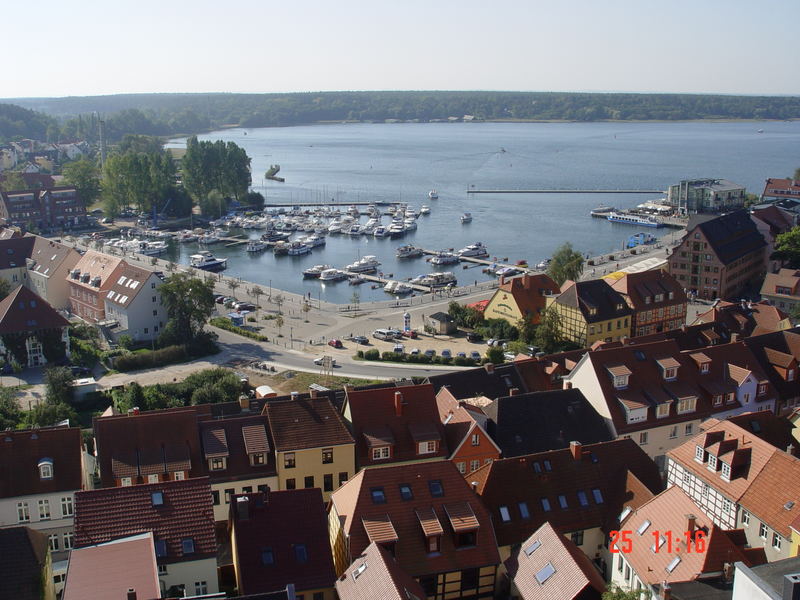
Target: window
point(435, 487)
point(157, 498)
point(523, 510)
point(289, 461)
point(23, 513)
point(745, 518)
point(662, 410)
point(712, 462)
point(267, 557)
point(762, 389)
point(125, 481)
point(342, 478)
point(46, 468)
point(152, 478)
point(44, 510)
point(673, 564)
point(200, 588)
point(670, 374)
point(300, 553)
point(726, 505)
point(218, 463)
point(597, 495)
point(180, 475)
point(689, 429)
point(686, 405)
point(215, 497)
point(309, 481)
point(378, 497)
point(474, 464)
point(505, 515)
point(380, 453)
point(161, 548)
point(726, 471)
point(462, 467)
point(763, 531)
point(718, 400)
point(291, 484)
point(187, 545)
point(466, 538)
point(405, 492)
point(327, 456)
point(547, 465)
point(620, 382)
point(562, 502)
point(432, 544)
point(53, 542)
point(428, 583)
point(673, 433)
point(643, 527)
point(69, 540)
point(730, 397)
point(476, 439)
point(687, 477)
point(469, 579)
point(643, 438)
point(776, 541)
point(545, 573)
point(577, 538)
point(229, 494)
point(704, 491)
point(257, 458)
point(327, 482)
point(584, 501)
point(545, 504)
point(426, 447)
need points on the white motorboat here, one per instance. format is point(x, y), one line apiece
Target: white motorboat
point(629, 219)
point(436, 279)
point(256, 246)
point(315, 271)
point(444, 258)
point(355, 230)
point(208, 262)
point(333, 275)
point(396, 230)
point(476, 250)
point(381, 232)
point(424, 210)
point(410, 224)
point(433, 195)
point(315, 240)
point(366, 264)
point(208, 239)
point(397, 288)
point(466, 218)
point(186, 236)
point(408, 252)
point(298, 249)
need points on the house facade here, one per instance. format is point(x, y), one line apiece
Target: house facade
point(33, 332)
point(591, 311)
point(89, 282)
point(658, 302)
point(48, 268)
point(782, 289)
point(465, 428)
point(521, 298)
point(46, 209)
point(133, 300)
point(781, 189)
point(706, 195)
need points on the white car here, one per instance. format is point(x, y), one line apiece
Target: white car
point(318, 361)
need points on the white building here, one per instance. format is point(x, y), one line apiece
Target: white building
point(134, 302)
point(48, 267)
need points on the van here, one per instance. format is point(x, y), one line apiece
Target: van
point(383, 334)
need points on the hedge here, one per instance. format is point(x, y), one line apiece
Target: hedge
point(148, 360)
point(224, 323)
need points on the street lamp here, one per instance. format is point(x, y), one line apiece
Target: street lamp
point(291, 337)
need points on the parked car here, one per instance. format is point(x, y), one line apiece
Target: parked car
point(509, 355)
point(475, 355)
point(218, 298)
point(398, 335)
point(430, 353)
point(107, 221)
point(335, 343)
point(461, 354)
point(410, 334)
point(383, 334)
point(318, 361)
point(490, 342)
point(447, 354)
point(399, 348)
point(360, 339)
point(244, 306)
point(414, 351)
point(79, 371)
point(474, 336)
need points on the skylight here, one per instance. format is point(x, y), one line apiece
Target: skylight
point(545, 573)
point(643, 527)
point(661, 541)
point(625, 513)
point(598, 497)
point(358, 571)
point(161, 547)
point(187, 545)
point(523, 510)
point(562, 500)
point(378, 497)
point(504, 514)
point(157, 498)
point(582, 498)
point(267, 557)
point(674, 563)
point(300, 553)
point(532, 548)
point(121, 280)
point(537, 467)
point(547, 465)
point(405, 492)
point(435, 486)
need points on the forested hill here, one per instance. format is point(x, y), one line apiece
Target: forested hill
point(164, 114)
point(20, 122)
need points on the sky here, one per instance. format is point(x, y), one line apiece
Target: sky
point(90, 47)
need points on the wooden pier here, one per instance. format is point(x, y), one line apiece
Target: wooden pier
point(481, 261)
point(383, 280)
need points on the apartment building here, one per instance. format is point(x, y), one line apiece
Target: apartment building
point(133, 300)
point(89, 282)
point(591, 311)
point(706, 195)
point(657, 301)
point(465, 432)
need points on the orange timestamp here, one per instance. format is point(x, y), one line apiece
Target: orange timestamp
point(621, 541)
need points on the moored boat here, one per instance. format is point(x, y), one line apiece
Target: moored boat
point(207, 262)
point(466, 218)
point(315, 271)
point(476, 250)
point(629, 219)
point(256, 246)
point(408, 252)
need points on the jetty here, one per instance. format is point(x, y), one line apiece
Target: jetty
point(477, 191)
point(482, 261)
point(383, 280)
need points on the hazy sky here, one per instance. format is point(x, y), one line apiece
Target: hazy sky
point(91, 47)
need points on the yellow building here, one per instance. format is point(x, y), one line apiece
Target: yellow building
point(313, 447)
point(521, 298)
point(591, 311)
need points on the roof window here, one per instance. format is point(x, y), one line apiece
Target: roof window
point(598, 496)
point(435, 486)
point(157, 498)
point(267, 556)
point(582, 498)
point(505, 515)
point(161, 548)
point(533, 548)
point(405, 492)
point(359, 571)
point(545, 573)
point(300, 553)
point(187, 545)
point(675, 562)
point(378, 497)
point(643, 527)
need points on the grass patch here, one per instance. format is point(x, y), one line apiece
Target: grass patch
point(301, 380)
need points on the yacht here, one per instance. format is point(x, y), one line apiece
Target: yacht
point(315, 271)
point(280, 249)
point(186, 236)
point(355, 230)
point(208, 262)
point(154, 248)
point(424, 209)
point(466, 218)
point(276, 236)
point(315, 240)
point(444, 258)
point(256, 246)
point(366, 264)
point(476, 250)
point(332, 275)
point(381, 232)
point(396, 230)
point(208, 238)
point(408, 252)
point(410, 224)
point(433, 195)
point(436, 279)
point(298, 249)
point(397, 288)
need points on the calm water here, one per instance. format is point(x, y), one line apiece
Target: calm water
point(367, 162)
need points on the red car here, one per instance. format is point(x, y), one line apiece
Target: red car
point(335, 343)
point(410, 334)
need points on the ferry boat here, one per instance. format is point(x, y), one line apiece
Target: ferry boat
point(332, 275)
point(256, 246)
point(315, 271)
point(466, 218)
point(298, 249)
point(476, 250)
point(443, 279)
point(433, 195)
point(444, 258)
point(628, 219)
point(408, 252)
point(207, 262)
point(367, 264)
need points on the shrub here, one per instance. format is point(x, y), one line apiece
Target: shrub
point(125, 341)
point(224, 323)
point(393, 356)
point(147, 360)
point(373, 354)
point(360, 354)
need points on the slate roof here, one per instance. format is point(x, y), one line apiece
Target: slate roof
point(594, 294)
point(607, 467)
point(730, 236)
point(541, 421)
point(21, 451)
point(353, 503)
point(280, 521)
point(306, 423)
point(575, 576)
point(242, 435)
point(22, 311)
point(186, 513)
point(491, 381)
point(24, 553)
point(374, 421)
point(14, 251)
point(376, 574)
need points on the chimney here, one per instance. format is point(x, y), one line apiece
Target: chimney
point(131, 594)
point(244, 402)
point(691, 523)
point(624, 340)
point(243, 508)
point(567, 385)
point(666, 591)
point(734, 338)
point(576, 449)
point(474, 486)
point(135, 411)
point(513, 391)
point(295, 395)
point(398, 404)
point(313, 392)
point(791, 587)
point(489, 368)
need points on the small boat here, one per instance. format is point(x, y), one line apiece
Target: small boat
point(466, 218)
point(356, 280)
point(280, 249)
point(333, 275)
point(476, 250)
point(424, 210)
point(444, 258)
point(207, 262)
point(602, 210)
point(433, 195)
point(381, 232)
point(397, 288)
point(186, 236)
point(542, 266)
point(443, 279)
point(315, 271)
point(315, 240)
point(256, 246)
point(396, 230)
point(408, 252)
point(355, 230)
point(208, 238)
point(366, 264)
point(298, 249)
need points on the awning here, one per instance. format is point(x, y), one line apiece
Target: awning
point(215, 443)
point(380, 529)
point(429, 522)
point(462, 518)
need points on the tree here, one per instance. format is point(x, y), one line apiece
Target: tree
point(614, 592)
point(84, 176)
point(566, 264)
point(279, 300)
point(494, 354)
point(13, 181)
point(213, 205)
point(256, 292)
point(5, 288)
point(279, 324)
point(189, 302)
point(787, 247)
point(355, 300)
point(796, 175)
point(232, 285)
point(548, 334)
point(220, 166)
point(10, 414)
point(45, 414)
point(58, 385)
point(306, 308)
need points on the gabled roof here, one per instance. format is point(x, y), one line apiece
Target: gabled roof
point(24, 553)
point(541, 421)
point(547, 475)
point(573, 577)
point(127, 282)
point(776, 431)
point(22, 311)
point(788, 279)
point(49, 255)
point(376, 574)
point(730, 236)
point(280, 521)
point(746, 318)
point(305, 423)
point(236, 438)
point(641, 289)
point(14, 251)
point(782, 188)
point(151, 442)
point(460, 421)
point(185, 513)
point(545, 372)
point(528, 291)
point(375, 421)
point(772, 351)
point(354, 503)
point(95, 264)
point(22, 451)
point(594, 295)
point(489, 380)
point(778, 220)
point(668, 512)
point(109, 570)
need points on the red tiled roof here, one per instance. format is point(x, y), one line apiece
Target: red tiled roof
point(21, 452)
point(529, 293)
point(353, 503)
point(637, 287)
point(186, 513)
point(94, 264)
point(22, 311)
point(377, 575)
point(785, 278)
point(379, 529)
point(305, 423)
point(526, 479)
point(429, 521)
point(255, 438)
point(280, 521)
point(238, 432)
point(745, 320)
point(461, 516)
point(374, 416)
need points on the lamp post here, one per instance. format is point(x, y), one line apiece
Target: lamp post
point(270, 291)
point(291, 337)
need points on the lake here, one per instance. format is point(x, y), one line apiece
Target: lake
point(402, 162)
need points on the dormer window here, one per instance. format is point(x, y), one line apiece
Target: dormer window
point(217, 463)
point(662, 410)
point(427, 447)
point(659, 297)
point(46, 468)
point(726, 471)
point(762, 389)
point(790, 375)
point(712, 462)
point(433, 543)
point(647, 299)
point(717, 399)
point(381, 453)
point(670, 374)
point(704, 367)
point(686, 405)
point(699, 454)
point(620, 306)
point(730, 397)
point(257, 458)
point(620, 382)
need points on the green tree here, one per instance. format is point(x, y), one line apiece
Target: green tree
point(279, 300)
point(213, 205)
point(548, 334)
point(306, 308)
point(566, 263)
point(232, 285)
point(796, 175)
point(58, 385)
point(527, 330)
point(13, 181)
point(5, 288)
point(494, 354)
point(10, 413)
point(189, 302)
point(279, 324)
point(84, 176)
point(46, 414)
point(125, 341)
point(787, 247)
point(614, 592)
point(355, 300)
point(220, 166)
